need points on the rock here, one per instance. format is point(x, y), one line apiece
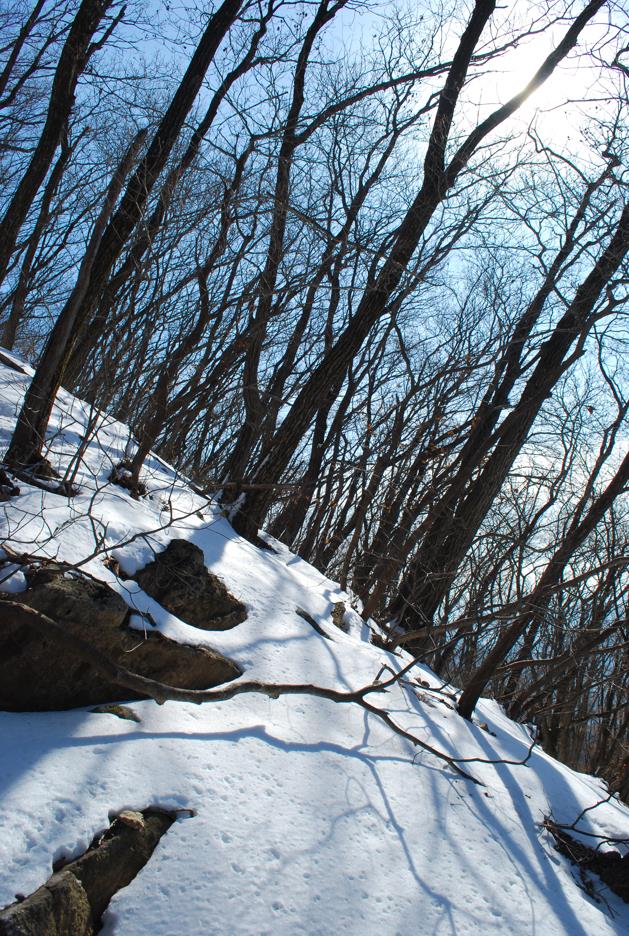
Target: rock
point(179, 580)
point(69, 596)
point(132, 818)
point(485, 727)
point(117, 855)
point(38, 674)
point(613, 869)
point(59, 908)
point(72, 901)
point(338, 616)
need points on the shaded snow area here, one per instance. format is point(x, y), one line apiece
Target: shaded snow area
point(306, 816)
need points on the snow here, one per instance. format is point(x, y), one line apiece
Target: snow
point(12, 579)
point(300, 815)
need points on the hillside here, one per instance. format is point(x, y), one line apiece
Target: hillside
point(297, 814)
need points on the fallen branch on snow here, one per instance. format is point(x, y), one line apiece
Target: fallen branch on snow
point(160, 692)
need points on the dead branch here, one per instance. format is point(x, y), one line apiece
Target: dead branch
point(161, 693)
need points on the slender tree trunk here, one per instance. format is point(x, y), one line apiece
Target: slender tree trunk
point(18, 45)
point(254, 410)
point(27, 441)
point(441, 554)
point(18, 301)
point(438, 180)
point(72, 61)
point(135, 258)
point(539, 598)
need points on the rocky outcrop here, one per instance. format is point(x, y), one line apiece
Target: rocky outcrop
point(179, 580)
point(72, 901)
point(37, 674)
point(59, 908)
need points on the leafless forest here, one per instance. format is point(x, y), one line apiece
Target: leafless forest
point(354, 275)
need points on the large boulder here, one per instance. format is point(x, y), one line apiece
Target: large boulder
point(179, 580)
point(38, 674)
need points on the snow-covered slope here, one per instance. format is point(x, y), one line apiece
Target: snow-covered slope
point(306, 816)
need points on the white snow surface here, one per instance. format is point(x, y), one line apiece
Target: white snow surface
point(308, 817)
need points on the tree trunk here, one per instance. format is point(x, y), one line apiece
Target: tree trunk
point(72, 61)
point(26, 444)
point(539, 598)
point(442, 551)
point(438, 180)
